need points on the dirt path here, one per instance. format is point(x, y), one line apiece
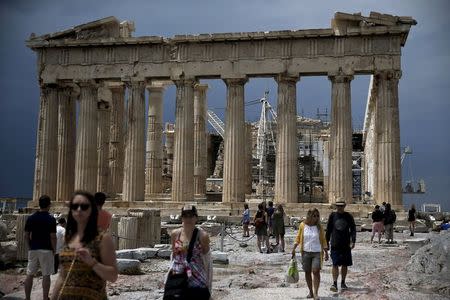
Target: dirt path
point(378, 273)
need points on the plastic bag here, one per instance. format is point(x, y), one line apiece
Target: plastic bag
point(292, 273)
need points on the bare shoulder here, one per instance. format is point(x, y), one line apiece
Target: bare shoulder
point(175, 233)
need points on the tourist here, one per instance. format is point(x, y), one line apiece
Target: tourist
point(197, 269)
point(40, 230)
point(60, 234)
point(313, 248)
point(260, 221)
point(341, 230)
point(389, 220)
point(377, 223)
point(270, 210)
point(278, 226)
point(88, 258)
point(104, 217)
point(412, 219)
point(383, 207)
point(246, 221)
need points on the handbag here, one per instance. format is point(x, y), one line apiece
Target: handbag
point(292, 273)
point(177, 284)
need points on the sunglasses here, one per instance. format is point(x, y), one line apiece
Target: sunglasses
point(83, 206)
point(315, 216)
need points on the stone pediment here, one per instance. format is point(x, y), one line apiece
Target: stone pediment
point(104, 28)
point(344, 23)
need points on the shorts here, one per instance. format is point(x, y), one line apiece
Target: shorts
point(341, 257)
point(310, 261)
point(43, 259)
point(261, 230)
point(377, 227)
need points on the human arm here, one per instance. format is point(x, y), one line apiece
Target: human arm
point(107, 268)
point(298, 238)
point(352, 231)
point(204, 241)
point(329, 229)
point(53, 240)
point(323, 243)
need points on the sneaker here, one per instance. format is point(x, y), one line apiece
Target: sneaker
point(344, 286)
point(333, 288)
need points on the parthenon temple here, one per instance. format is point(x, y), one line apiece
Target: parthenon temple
point(92, 132)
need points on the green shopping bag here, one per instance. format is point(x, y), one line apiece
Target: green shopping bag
point(292, 273)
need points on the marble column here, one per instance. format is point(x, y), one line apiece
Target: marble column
point(200, 144)
point(170, 136)
point(340, 159)
point(103, 130)
point(183, 159)
point(134, 168)
point(388, 179)
point(286, 169)
point(46, 161)
point(86, 148)
point(154, 148)
point(248, 158)
point(66, 144)
point(116, 149)
point(326, 166)
point(233, 183)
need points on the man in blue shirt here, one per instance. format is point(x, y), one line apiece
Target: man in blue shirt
point(40, 229)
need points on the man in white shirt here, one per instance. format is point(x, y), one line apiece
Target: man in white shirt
point(60, 234)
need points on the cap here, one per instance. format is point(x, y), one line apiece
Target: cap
point(340, 202)
point(189, 209)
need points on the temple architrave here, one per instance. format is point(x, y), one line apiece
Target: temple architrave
point(103, 70)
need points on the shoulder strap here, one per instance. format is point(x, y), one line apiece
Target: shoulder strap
point(191, 244)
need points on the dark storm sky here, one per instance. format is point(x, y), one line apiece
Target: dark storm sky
point(424, 87)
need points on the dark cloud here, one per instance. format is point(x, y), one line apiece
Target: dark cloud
point(424, 87)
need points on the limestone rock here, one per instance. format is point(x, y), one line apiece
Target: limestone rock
point(164, 253)
point(220, 257)
point(8, 253)
point(429, 267)
point(125, 254)
point(142, 254)
point(129, 266)
point(3, 231)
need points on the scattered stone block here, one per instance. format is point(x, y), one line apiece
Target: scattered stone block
point(129, 266)
point(415, 244)
point(164, 253)
point(220, 257)
point(126, 253)
point(162, 246)
point(142, 254)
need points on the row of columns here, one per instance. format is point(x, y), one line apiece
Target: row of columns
point(138, 172)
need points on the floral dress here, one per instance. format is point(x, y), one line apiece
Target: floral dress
point(81, 282)
point(196, 268)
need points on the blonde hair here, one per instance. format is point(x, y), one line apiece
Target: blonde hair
point(309, 217)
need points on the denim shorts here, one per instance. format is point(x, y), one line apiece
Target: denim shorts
point(341, 257)
point(310, 261)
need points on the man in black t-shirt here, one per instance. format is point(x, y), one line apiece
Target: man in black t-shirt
point(40, 229)
point(341, 237)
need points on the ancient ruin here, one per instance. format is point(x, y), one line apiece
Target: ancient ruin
point(102, 67)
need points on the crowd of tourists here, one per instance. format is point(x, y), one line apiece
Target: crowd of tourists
point(81, 250)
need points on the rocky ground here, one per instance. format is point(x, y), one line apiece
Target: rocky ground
point(379, 272)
